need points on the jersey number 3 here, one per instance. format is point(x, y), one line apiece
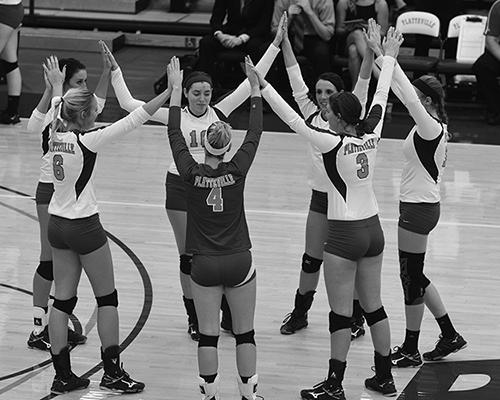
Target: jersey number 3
point(57, 166)
point(215, 200)
point(364, 170)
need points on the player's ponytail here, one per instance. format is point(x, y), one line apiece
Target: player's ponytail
point(57, 123)
point(72, 107)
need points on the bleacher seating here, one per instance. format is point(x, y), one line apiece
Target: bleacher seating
point(115, 6)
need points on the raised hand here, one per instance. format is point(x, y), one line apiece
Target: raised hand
point(106, 63)
point(175, 73)
point(392, 42)
point(53, 74)
point(106, 53)
point(250, 71)
point(373, 37)
point(282, 31)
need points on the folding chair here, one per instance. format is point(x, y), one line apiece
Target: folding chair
point(418, 23)
point(469, 30)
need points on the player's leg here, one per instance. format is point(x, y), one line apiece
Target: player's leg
point(92, 245)
point(315, 237)
point(207, 294)
point(10, 66)
point(240, 288)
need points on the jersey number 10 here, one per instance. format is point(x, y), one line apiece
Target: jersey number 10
point(215, 199)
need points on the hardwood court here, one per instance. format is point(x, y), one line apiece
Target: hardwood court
point(461, 261)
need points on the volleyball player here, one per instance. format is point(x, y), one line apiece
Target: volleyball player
point(355, 243)
point(76, 235)
point(315, 113)
point(75, 77)
point(424, 150)
point(196, 117)
point(217, 235)
point(11, 17)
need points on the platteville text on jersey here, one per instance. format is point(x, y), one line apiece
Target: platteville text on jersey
point(62, 147)
point(354, 148)
point(219, 181)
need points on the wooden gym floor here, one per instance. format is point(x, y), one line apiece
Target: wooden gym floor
point(461, 261)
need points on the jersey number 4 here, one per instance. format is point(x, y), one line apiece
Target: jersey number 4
point(364, 170)
point(57, 166)
point(215, 199)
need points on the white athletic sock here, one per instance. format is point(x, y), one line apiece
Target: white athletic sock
point(39, 320)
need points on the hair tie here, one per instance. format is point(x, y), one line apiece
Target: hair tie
point(216, 152)
point(427, 90)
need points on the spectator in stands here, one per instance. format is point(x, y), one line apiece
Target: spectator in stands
point(487, 67)
point(246, 30)
point(11, 16)
point(351, 33)
point(311, 27)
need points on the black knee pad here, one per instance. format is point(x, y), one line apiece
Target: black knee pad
point(338, 322)
point(108, 300)
point(46, 270)
point(65, 306)
point(185, 264)
point(373, 317)
point(310, 265)
point(208, 341)
point(247, 337)
point(7, 67)
point(412, 277)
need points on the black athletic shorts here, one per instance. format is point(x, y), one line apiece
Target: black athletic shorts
point(354, 240)
point(44, 192)
point(319, 202)
point(230, 270)
point(11, 15)
point(82, 235)
point(419, 218)
point(176, 193)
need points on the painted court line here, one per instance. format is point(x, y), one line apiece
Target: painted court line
point(294, 214)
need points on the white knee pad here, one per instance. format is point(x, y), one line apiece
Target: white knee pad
point(209, 391)
point(248, 390)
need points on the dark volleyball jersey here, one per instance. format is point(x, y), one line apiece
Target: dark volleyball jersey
point(216, 222)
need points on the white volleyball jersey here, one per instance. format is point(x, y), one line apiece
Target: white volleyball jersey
point(316, 177)
point(73, 156)
point(424, 149)
point(39, 123)
point(423, 167)
point(194, 128)
point(349, 161)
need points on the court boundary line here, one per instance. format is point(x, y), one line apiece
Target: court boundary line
point(282, 213)
point(147, 287)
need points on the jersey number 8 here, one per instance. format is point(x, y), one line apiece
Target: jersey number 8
point(215, 199)
point(57, 166)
